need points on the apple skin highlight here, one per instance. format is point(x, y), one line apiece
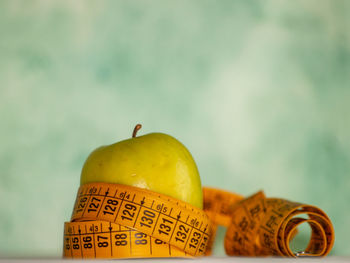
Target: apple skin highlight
point(155, 161)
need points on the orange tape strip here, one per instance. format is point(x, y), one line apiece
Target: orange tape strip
point(125, 221)
point(260, 226)
point(118, 221)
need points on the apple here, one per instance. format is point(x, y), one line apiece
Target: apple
point(155, 161)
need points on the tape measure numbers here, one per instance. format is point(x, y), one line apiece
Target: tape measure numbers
point(100, 239)
point(118, 221)
point(260, 226)
point(135, 223)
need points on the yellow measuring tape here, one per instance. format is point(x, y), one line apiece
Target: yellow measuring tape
point(118, 221)
point(129, 222)
point(260, 226)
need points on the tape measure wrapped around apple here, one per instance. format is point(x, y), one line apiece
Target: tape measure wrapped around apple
point(142, 197)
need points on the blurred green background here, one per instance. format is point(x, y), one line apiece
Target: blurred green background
point(259, 91)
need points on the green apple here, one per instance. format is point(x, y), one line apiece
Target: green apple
point(155, 161)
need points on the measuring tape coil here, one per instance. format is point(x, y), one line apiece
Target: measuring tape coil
point(119, 221)
point(260, 226)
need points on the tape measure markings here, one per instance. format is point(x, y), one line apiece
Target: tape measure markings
point(160, 211)
point(115, 238)
point(264, 226)
point(83, 200)
point(132, 222)
point(153, 214)
point(320, 229)
point(92, 191)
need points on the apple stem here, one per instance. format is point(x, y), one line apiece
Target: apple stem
point(137, 127)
